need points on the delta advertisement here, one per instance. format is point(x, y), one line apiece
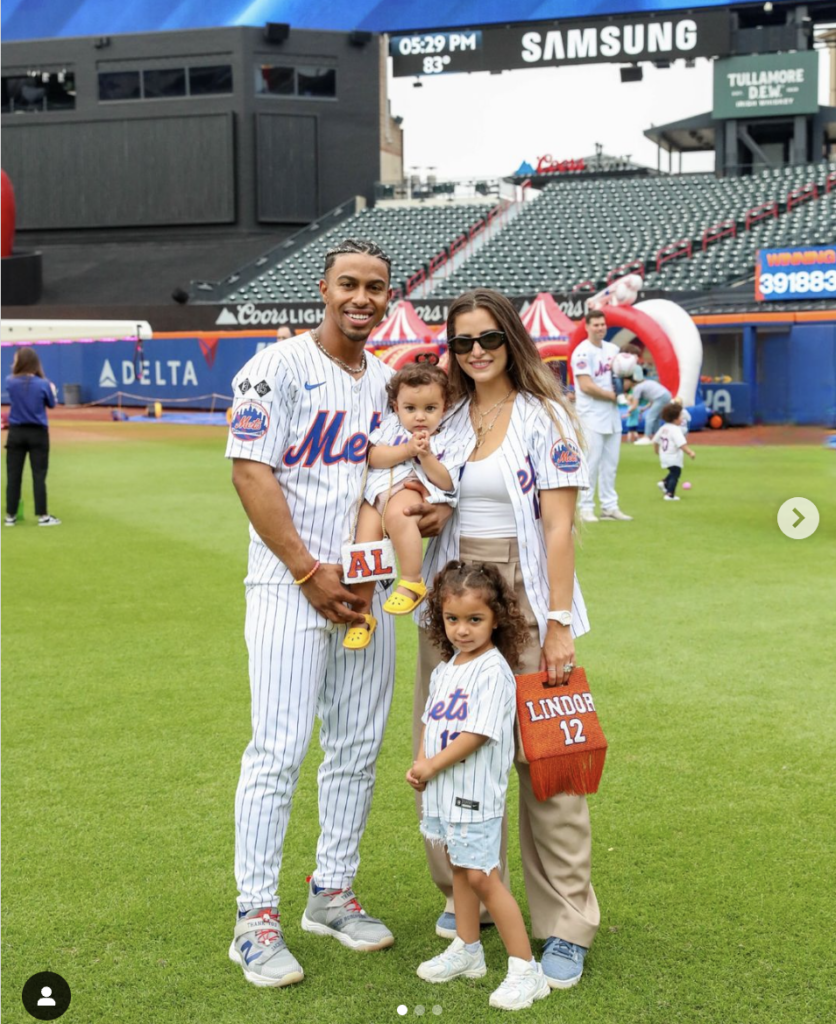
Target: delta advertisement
point(807, 272)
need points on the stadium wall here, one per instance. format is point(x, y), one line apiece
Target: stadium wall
point(789, 369)
point(238, 158)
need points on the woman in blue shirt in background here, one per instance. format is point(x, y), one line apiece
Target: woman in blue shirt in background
point(29, 394)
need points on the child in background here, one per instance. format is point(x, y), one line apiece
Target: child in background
point(632, 423)
point(406, 446)
point(467, 748)
point(669, 444)
point(684, 423)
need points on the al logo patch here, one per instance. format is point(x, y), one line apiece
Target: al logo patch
point(566, 456)
point(250, 422)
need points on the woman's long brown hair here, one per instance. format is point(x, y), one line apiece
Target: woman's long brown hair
point(26, 361)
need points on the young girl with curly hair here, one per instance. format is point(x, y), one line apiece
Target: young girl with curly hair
point(462, 767)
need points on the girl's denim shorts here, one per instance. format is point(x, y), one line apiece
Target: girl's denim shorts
point(469, 844)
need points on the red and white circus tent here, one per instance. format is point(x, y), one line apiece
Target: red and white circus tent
point(544, 320)
point(402, 324)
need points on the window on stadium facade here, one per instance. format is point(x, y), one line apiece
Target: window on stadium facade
point(165, 83)
point(302, 81)
point(38, 91)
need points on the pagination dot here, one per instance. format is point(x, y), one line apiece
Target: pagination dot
point(403, 1010)
point(437, 1010)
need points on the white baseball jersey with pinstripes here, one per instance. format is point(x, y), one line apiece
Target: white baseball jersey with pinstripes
point(534, 457)
point(317, 448)
point(450, 449)
point(296, 411)
point(477, 697)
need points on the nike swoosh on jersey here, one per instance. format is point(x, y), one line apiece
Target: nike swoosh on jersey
point(311, 387)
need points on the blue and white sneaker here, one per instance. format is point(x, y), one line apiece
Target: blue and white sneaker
point(562, 962)
point(336, 912)
point(259, 947)
point(445, 926)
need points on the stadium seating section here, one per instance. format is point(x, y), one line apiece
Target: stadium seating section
point(687, 232)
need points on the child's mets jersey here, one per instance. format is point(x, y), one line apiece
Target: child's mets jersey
point(477, 697)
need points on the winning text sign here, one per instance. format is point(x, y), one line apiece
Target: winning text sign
point(808, 272)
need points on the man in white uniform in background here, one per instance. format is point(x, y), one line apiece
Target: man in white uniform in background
point(600, 418)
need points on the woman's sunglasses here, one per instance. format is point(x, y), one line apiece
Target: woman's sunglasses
point(489, 341)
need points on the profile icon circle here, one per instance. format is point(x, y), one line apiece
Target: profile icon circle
point(46, 996)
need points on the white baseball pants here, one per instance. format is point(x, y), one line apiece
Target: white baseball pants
point(299, 669)
point(603, 451)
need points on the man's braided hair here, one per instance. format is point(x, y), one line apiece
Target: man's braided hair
point(356, 246)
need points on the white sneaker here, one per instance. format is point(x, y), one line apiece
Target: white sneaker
point(524, 984)
point(671, 497)
point(48, 521)
point(643, 440)
point(588, 516)
point(661, 485)
point(454, 962)
point(616, 513)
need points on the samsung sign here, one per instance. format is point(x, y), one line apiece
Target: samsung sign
point(548, 44)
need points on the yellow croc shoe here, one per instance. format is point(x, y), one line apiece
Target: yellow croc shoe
point(397, 604)
point(359, 637)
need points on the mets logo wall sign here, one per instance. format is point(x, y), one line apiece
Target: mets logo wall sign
point(250, 422)
point(566, 456)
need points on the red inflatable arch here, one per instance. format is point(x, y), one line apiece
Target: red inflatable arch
point(648, 331)
point(8, 216)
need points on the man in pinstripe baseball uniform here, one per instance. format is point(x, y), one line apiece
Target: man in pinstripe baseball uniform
point(303, 411)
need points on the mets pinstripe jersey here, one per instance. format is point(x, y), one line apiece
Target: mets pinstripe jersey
point(534, 457)
point(317, 451)
point(477, 697)
point(450, 449)
point(596, 413)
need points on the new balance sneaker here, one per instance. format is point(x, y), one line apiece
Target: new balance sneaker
point(562, 962)
point(10, 521)
point(48, 521)
point(661, 485)
point(454, 962)
point(644, 440)
point(588, 516)
point(616, 513)
point(671, 497)
point(524, 984)
point(259, 947)
point(337, 913)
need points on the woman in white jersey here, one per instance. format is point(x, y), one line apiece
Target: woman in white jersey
point(516, 511)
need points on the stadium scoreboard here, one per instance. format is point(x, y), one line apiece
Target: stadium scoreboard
point(627, 39)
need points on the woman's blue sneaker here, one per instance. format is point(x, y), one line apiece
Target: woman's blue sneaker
point(562, 962)
point(445, 926)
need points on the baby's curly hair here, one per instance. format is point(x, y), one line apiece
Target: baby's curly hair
point(511, 633)
point(418, 375)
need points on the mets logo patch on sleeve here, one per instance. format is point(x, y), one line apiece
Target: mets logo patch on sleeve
point(566, 456)
point(249, 422)
point(580, 365)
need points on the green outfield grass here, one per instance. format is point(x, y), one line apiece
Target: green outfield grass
point(125, 714)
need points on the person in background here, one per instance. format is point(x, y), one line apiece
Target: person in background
point(283, 334)
point(30, 393)
point(669, 444)
point(649, 391)
point(597, 407)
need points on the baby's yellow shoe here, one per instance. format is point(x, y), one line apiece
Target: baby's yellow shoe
point(359, 637)
point(398, 604)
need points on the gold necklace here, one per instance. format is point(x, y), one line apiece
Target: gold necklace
point(343, 366)
point(483, 431)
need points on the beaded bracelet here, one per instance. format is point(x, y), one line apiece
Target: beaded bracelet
point(306, 578)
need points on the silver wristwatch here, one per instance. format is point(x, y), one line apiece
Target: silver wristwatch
point(564, 618)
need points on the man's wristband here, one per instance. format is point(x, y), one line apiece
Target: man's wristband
point(305, 579)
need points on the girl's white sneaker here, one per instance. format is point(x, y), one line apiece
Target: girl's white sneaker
point(523, 986)
point(454, 962)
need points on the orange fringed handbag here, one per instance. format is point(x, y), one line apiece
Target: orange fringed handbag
point(561, 736)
